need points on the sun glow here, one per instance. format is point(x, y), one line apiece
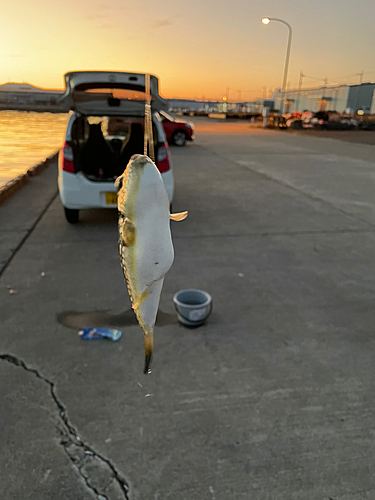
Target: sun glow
point(189, 51)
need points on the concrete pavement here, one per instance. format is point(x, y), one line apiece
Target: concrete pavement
point(271, 399)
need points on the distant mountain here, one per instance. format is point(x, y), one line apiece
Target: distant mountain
point(21, 87)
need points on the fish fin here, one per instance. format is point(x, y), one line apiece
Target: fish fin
point(127, 231)
point(123, 251)
point(141, 298)
point(118, 181)
point(179, 216)
point(149, 346)
point(122, 256)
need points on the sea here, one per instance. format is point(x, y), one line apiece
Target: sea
point(27, 138)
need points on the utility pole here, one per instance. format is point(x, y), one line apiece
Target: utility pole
point(301, 76)
point(361, 75)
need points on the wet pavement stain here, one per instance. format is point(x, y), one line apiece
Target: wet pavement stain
point(102, 318)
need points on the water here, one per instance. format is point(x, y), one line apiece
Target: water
point(27, 138)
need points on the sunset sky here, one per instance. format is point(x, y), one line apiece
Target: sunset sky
point(197, 48)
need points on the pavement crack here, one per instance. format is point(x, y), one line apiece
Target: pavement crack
point(97, 471)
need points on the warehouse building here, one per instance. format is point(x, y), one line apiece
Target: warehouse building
point(343, 99)
point(22, 96)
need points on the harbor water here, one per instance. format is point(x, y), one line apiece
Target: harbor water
point(27, 138)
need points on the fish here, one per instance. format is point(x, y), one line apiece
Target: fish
point(145, 241)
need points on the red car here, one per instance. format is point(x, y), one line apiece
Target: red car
point(177, 131)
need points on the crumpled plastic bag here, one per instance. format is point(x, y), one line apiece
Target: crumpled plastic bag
point(92, 333)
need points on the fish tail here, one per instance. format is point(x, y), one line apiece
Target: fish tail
point(149, 346)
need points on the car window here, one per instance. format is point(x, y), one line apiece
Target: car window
point(112, 127)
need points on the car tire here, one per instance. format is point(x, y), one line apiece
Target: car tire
point(71, 215)
point(179, 138)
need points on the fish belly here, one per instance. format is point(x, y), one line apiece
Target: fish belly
point(152, 254)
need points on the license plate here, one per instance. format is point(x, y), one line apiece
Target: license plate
point(110, 198)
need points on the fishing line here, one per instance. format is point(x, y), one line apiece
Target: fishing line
point(148, 135)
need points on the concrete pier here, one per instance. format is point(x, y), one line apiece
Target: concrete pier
point(271, 399)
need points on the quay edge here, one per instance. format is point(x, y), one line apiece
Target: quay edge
point(15, 184)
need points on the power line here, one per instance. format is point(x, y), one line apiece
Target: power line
point(344, 77)
point(314, 77)
point(341, 78)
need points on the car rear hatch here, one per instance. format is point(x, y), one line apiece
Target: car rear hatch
point(110, 93)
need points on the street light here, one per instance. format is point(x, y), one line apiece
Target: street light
point(267, 20)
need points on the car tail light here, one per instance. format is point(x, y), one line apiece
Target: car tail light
point(67, 159)
point(163, 158)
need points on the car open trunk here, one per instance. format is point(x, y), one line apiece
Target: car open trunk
point(111, 93)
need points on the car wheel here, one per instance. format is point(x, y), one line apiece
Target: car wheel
point(71, 215)
point(179, 138)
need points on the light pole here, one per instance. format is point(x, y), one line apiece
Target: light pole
point(267, 20)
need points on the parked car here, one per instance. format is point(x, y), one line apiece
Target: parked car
point(105, 129)
point(177, 131)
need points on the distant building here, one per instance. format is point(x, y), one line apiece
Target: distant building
point(250, 107)
point(24, 96)
point(343, 98)
point(191, 104)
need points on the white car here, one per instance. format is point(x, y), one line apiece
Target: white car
point(105, 128)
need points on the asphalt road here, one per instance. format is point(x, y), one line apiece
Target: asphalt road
point(272, 399)
point(357, 136)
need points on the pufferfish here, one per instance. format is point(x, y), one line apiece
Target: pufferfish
point(145, 242)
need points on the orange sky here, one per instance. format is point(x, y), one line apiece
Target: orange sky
point(197, 49)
